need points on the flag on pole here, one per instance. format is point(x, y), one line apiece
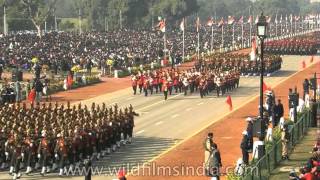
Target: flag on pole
point(210, 22)
point(268, 19)
point(253, 53)
point(291, 18)
point(182, 25)
point(162, 25)
point(241, 20)
point(198, 24)
point(303, 64)
point(257, 20)
point(286, 18)
point(250, 20)
point(229, 102)
point(230, 20)
point(221, 23)
point(276, 19)
point(281, 18)
point(265, 87)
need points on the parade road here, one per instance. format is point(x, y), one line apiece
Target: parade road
point(162, 124)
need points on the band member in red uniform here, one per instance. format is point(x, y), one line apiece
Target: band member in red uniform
point(134, 84)
point(165, 88)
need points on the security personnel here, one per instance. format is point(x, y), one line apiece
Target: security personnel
point(208, 145)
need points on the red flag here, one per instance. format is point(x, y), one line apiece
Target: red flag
point(311, 60)
point(241, 20)
point(162, 25)
point(229, 102)
point(210, 22)
point(303, 64)
point(32, 95)
point(253, 53)
point(69, 81)
point(121, 173)
point(268, 19)
point(221, 22)
point(230, 20)
point(265, 87)
point(250, 20)
point(257, 20)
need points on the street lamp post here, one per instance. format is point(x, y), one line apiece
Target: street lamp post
point(262, 34)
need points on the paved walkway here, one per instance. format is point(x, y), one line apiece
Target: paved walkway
point(298, 158)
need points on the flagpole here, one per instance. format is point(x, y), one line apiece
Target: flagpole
point(242, 35)
point(250, 33)
point(276, 27)
point(295, 26)
point(183, 44)
point(233, 35)
point(211, 38)
point(222, 41)
point(198, 44)
point(164, 42)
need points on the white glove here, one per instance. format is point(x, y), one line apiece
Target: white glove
point(39, 156)
point(22, 155)
point(7, 154)
point(56, 156)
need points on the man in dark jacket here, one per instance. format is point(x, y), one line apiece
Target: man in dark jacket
point(244, 147)
point(278, 112)
point(250, 133)
point(38, 87)
point(214, 162)
point(306, 86)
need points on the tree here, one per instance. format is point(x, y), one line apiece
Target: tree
point(115, 10)
point(38, 11)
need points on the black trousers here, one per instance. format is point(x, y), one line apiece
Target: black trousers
point(245, 156)
point(165, 95)
point(44, 159)
point(17, 161)
point(29, 158)
point(134, 90)
point(62, 160)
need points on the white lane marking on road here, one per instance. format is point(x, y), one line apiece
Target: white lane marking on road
point(142, 112)
point(139, 132)
point(174, 116)
point(200, 103)
point(226, 137)
point(158, 102)
point(129, 98)
point(158, 123)
point(189, 109)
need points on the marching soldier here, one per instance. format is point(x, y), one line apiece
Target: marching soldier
point(30, 150)
point(44, 153)
point(61, 152)
point(17, 155)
